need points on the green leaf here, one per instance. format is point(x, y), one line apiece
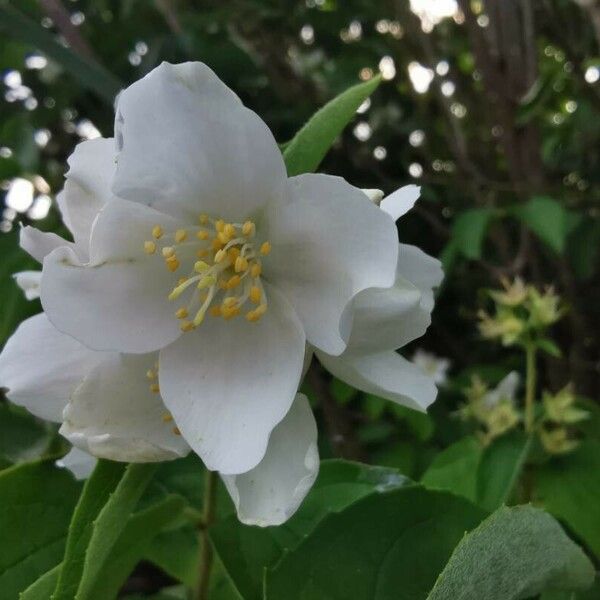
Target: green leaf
point(90, 74)
point(569, 488)
point(37, 501)
point(455, 469)
point(96, 492)
point(131, 545)
point(306, 150)
point(549, 347)
point(469, 230)
point(43, 587)
point(177, 553)
point(22, 436)
point(515, 553)
point(247, 551)
point(549, 220)
point(499, 469)
point(110, 522)
point(388, 545)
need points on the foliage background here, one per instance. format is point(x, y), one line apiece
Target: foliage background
point(504, 142)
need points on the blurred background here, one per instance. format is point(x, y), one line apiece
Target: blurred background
point(492, 107)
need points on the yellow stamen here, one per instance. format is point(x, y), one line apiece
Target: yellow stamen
point(203, 219)
point(172, 263)
point(149, 247)
point(168, 251)
point(248, 228)
point(181, 313)
point(186, 326)
point(157, 232)
point(167, 417)
point(150, 374)
point(223, 237)
point(215, 311)
point(241, 264)
point(201, 267)
point(206, 282)
point(182, 280)
point(203, 234)
point(229, 312)
point(230, 301)
point(220, 225)
point(202, 253)
point(265, 248)
point(220, 256)
point(256, 269)
point(154, 388)
point(229, 231)
point(176, 431)
point(181, 235)
point(255, 294)
point(233, 282)
point(252, 316)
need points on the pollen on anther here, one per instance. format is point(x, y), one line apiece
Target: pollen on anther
point(229, 230)
point(186, 326)
point(256, 270)
point(154, 388)
point(241, 264)
point(202, 234)
point(255, 294)
point(167, 417)
point(168, 251)
point(176, 431)
point(215, 311)
point(248, 228)
point(182, 313)
point(150, 374)
point(265, 248)
point(149, 247)
point(180, 235)
point(220, 255)
point(157, 232)
point(220, 225)
point(172, 263)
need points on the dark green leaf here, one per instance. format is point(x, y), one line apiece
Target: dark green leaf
point(515, 553)
point(549, 220)
point(385, 546)
point(110, 523)
point(499, 469)
point(247, 551)
point(96, 492)
point(569, 488)
point(306, 150)
point(455, 469)
point(37, 501)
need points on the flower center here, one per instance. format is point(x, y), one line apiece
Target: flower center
point(225, 276)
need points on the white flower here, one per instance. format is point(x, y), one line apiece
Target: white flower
point(80, 463)
point(433, 365)
point(198, 224)
point(29, 282)
point(387, 319)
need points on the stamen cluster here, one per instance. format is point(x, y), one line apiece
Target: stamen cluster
point(226, 271)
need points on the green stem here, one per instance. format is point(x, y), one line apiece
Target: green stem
point(530, 385)
point(206, 557)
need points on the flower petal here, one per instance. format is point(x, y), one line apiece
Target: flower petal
point(119, 301)
point(328, 244)
point(114, 415)
point(188, 145)
point(80, 463)
point(40, 243)
point(271, 493)
point(41, 367)
point(92, 166)
point(386, 374)
point(398, 203)
point(381, 317)
point(87, 189)
point(29, 282)
point(230, 382)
